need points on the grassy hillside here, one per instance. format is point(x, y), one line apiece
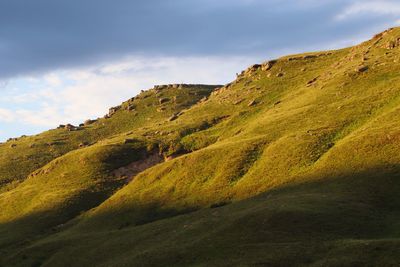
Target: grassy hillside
point(295, 163)
point(21, 156)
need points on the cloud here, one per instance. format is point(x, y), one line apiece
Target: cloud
point(53, 80)
point(56, 35)
point(369, 8)
point(85, 93)
point(6, 115)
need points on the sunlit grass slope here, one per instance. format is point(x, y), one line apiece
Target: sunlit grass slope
point(295, 163)
point(83, 178)
point(21, 156)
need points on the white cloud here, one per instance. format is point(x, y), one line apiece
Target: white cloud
point(53, 79)
point(370, 7)
point(71, 96)
point(6, 115)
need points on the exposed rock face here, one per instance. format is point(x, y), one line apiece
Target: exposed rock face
point(113, 110)
point(70, 127)
point(138, 166)
point(130, 107)
point(393, 44)
point(253, 68)
point(268, 65)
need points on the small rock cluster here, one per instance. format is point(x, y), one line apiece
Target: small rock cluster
point(166, 86)
point(113, 110)
point(69, 127)
point(393, 44)
point(253, 68)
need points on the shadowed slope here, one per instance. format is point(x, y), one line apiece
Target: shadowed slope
point(331, 221)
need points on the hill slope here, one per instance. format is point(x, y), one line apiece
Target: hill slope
point(294, 163)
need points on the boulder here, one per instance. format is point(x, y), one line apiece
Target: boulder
point(173, 117)
point(362, 69)
point(112, 110)
point(163, 100)
point(251, 103)
point(310, 82)
point(70, 127)
point(130, 107)
point(268, 65)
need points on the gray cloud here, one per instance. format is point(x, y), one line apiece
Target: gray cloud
point(41, 35)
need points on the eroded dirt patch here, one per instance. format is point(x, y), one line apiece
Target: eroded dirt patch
point(136, 167)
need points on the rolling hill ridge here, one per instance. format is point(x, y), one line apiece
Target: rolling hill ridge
point(295, 163)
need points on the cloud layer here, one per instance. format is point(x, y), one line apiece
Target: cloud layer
point(43, 35)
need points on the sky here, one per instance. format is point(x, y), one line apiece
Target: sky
point(65, 61)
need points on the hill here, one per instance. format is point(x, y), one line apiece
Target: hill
point(295, 163)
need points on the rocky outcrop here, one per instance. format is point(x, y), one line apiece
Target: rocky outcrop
point(159, 88)
point(268, 65)
point(392, 44)
point(113, 110)
point(70, 127)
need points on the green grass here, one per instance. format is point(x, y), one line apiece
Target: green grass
point(270, 170)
